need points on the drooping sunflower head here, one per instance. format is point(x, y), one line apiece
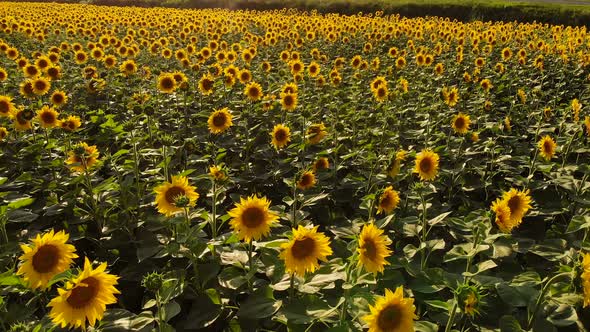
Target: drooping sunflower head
point(59, 98)
point(461, 123)
point(316, 132)
point(519, 203)
point(547, 147)
point(253, 91)
point(252, 218)
point(306, 247)
point(6, 106)
point(46, 256)
point(72, 123)
point(392, 312)
point(83, 157)
point(426, 165)
point(48, 117)
point(83, 300)
point(168, 193)
point(281, 136)
point(307, 180)
point(321, 163)
point(373, 249)
point(166, 83)
point(388, 200)
point(219, 121)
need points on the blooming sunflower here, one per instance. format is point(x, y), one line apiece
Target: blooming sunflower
point(426, 165)
point(392, 313)
point(503, 220)
point(486, 84)
point(46, 256)
point(306, 181)
point(380, 93)
point(22, 119)
point(388, 200)
point(219, 121)
point(6, 106)
point(547, 147)
point(306, 247)
point(289, 101)
point(128, 67)
point(83, 157)
point(519, 203)
point(316, 132)
point(373, 249)
point(84, 298)
point(461, 123)
point(59, 98)
point(168, 192)
point(166, 83)
point(72, 123)
point(321, 163)
point(281, 136)
point(251, 218)
point(48, 117)
point(450, 96)
point(253, 91)
point(40, 86)
point(585, 276)
point(217, 173)
point(206, 84)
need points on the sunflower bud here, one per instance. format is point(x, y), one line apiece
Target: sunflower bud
point(153, 281)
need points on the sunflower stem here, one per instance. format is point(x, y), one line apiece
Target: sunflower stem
point(214, 217)
point(93, 201)
point(423, 257)
point(160, 318)
point(544, 290)
point(292, 287)
point(451, 317)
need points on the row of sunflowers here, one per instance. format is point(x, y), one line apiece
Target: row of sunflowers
point(186, 170)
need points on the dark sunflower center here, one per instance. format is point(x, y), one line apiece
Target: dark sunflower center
point(207, 85)
point(460, 123)
point(42, 63)
point(547, 147)
point(253, 92)
point(219, 120)
point(31, 70)
point(288, 100)
point(46, 258)
point(306, 180)
point(425, 165)
point(381, 92)
point(173, 193)
point(167, 83)
point(52, 72)
point(48, 117)
point(58, 98)
point(81, 296)
point(303, 248)
point(253, 217)
point(4, 107)
point(80, 56)
point(389, 318)
point(129, 67)
point(370, 249)
point(514, 204)
point(386, 201)
point(40, 85)
point(280, 135)
point(20, 118)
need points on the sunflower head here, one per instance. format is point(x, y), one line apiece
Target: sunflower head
point(219, 121)
point(3, 133)
point(59, 98)
point(519, 202)
point(253, 91)
point(40, 86)
point(502, 218)
point(48, 117)
point(426, 165)
point(83, 157)
point(321, 164)
point(306, 247)
point(307, 180)
point(373, 249)
point(72, 123)
point(461, 123)
point(316, 132)
point(46, 256)
point(167, 83)
point(83, 300)
point(547, 147)
point(6, 106)
point(218, 173)
point(388, 200)
point(251, 218)
point(392, 312)
point(22, 119)
point(206, 84)
point(168, 193)
point(289, 101)
point(281, 136)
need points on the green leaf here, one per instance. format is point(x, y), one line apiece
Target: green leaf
point(424, 326)
point(21, 202)
point(439, 218)
point(577, 223)
point(509, 324)
point(170, 310)
point(562, 315)
point(258, 306)
point(439, 305)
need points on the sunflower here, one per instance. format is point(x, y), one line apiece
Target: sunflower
point(306, 247)
point(547, 147)
point(307, 180)
point(169, 192)
point(83, 157)
point(507, 124)
point(585, 276)
point(58, 98)
point(439, 69)
point(46, 256)
point(392, 313)
point(576, 107)
point(426, 165)
point(281, 136)
point(22, 119)
point(166, 83)
point(84, 298)
point(3, 75)
point(381, 93)
point(388, 200)
point(486, 84)
point(251, 218)
point(40, 86)
point(206, 84)
point(128, 67)
point(373, 249)
point(3, 133)
point(470, 304)
point(461, 123)
point(503, 221)
point(54, 72)
point(217, 173)
point(518, 202)
point(253, 91)
point(290, 88)
point(289, 101)
point(80, 57)
point(450, 96)
point(395, 166)
point(48, 117)
point(316, 132)
point(314, 69)
point(506, 53)
point(6, 106)
point(400, 62)
point(31, 71)
point(72, 123)
point(321, 163)
point(219, 121)
point(244, 76)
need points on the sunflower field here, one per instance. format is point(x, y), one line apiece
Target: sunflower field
point(216, 170)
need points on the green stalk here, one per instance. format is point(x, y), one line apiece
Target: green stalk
point(544, 291)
